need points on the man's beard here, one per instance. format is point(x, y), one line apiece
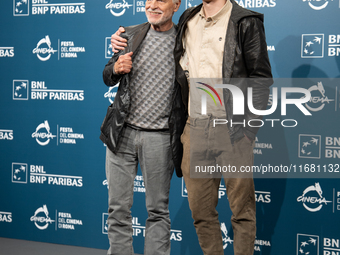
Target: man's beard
point(160, 21)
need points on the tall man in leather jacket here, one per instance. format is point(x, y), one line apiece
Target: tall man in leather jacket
point(143, 125)
point(220, 39)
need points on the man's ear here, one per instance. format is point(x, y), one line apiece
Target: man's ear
point(178, 4)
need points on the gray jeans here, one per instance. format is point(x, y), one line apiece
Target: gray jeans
point(153, 152)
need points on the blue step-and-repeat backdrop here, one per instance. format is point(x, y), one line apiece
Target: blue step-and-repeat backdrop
point(53, 101)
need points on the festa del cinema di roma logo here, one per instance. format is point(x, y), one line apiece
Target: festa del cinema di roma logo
point(43, 134)
point(318, 101)
point(41, 219)
point(309, 201)
point(44, 49)
point(44, 53)
point(41, 137)
point(115, 7)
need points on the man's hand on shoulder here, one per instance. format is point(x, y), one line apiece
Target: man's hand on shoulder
point(117, 42)
point(124, 64)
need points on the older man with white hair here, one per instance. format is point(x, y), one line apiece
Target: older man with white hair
point(143, 125)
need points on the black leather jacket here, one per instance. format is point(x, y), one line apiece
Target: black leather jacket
point(117, 112)
point(245, 56)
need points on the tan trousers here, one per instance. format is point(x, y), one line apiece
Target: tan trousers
point(205, 145)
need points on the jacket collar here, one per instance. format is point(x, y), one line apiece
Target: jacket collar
point(237, 13)
point(136, 34)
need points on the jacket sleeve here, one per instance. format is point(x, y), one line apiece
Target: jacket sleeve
point(111, 79)
point(258, 67)
point(255, 48)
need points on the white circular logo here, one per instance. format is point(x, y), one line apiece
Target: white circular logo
point(309, 201)
point(43, 138)
point(41, 218)
point(117, 6)
point(318, 101)
point(43, 51)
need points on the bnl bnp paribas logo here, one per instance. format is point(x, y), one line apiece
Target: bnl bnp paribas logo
point(20, 7)
point(38, 175)
point(310, 147)
point(19, 172)
point(42, 7)
point(108, 48)
point(6, 134)
point(139, 229)
point(39, 91)
point(313, 45)
point(307, 244)
point(221, 191)
point(6, 52)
